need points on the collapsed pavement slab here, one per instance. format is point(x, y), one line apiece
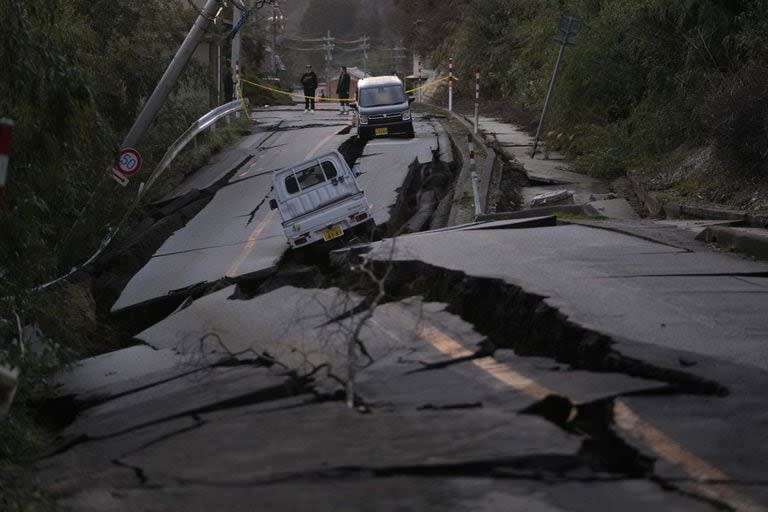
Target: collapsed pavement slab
point(600, 280)
point(291, 326)
point(422, 493)
point(115, 373)
point(186, 395)
point(328, 437)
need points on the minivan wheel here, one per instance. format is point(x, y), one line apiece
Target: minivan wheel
point(409, 133)
point(364, 134)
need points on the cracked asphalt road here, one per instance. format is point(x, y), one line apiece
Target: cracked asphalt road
point(525, 367)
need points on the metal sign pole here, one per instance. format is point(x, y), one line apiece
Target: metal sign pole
point(569, 26)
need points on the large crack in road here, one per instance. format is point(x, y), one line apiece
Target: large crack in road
point(512, 323)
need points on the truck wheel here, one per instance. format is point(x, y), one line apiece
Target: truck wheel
point(409, 132)
point(364, 134)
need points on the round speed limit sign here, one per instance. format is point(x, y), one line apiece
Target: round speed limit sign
point(129, 162)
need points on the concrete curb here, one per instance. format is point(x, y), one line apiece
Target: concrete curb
point(672, 210)
point(573, 209)
point(752, 241)
point(486, 175)
point(460, 185)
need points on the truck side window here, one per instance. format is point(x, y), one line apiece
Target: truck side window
point(330, 170)
point(291, 185)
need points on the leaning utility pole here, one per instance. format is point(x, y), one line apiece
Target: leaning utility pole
point(171, 75)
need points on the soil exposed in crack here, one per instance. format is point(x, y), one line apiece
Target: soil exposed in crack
point(515, 319)
point(507, 315)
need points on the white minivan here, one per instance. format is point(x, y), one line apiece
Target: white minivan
point(319, 200)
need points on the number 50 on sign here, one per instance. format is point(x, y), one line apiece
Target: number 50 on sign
point(129, 162)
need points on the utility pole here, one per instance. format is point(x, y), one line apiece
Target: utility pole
point(397, 56)
point(171, 75)
point(214, 56)
point(274, 39)
point(235, 60)
point(569, 27)
point(365, 46)
point(421, 91)
point(328, 47)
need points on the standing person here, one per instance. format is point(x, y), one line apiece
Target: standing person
point(309, 81)
point(342, 90)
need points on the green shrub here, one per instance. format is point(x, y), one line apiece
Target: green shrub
point(75, 74)
point(737, 112)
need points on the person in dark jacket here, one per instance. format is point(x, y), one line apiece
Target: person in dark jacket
point(309, 81)
point(342, 90)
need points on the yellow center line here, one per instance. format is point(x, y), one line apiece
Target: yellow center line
point(250, 245)
point(501, 372)
point(319, 145)
point(711, 481)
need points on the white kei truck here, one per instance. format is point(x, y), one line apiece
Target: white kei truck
point(319, 200)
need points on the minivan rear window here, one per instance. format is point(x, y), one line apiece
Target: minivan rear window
point(381, 95)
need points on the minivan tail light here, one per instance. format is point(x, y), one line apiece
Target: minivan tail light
point(300, 241)
point(359, 217)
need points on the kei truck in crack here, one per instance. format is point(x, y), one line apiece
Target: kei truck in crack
point(319, 200)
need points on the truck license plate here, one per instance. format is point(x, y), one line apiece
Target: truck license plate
point(331, 233)
point(381, 131)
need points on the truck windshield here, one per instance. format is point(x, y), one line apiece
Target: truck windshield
point(381, 95)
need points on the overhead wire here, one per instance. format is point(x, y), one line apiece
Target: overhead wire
point(318, 49)
point(304, 39)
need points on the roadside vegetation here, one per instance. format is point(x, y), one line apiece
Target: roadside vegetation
point(75, 74)
point(672, 87)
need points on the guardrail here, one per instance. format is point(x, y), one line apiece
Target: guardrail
point(193, 131)
point(174, 149)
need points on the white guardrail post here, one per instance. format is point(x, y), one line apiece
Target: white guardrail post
point(450, 85)
point(477, 99)
point(473, 175)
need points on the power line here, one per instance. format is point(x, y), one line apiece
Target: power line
point(318, 49)
point(305, 39)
